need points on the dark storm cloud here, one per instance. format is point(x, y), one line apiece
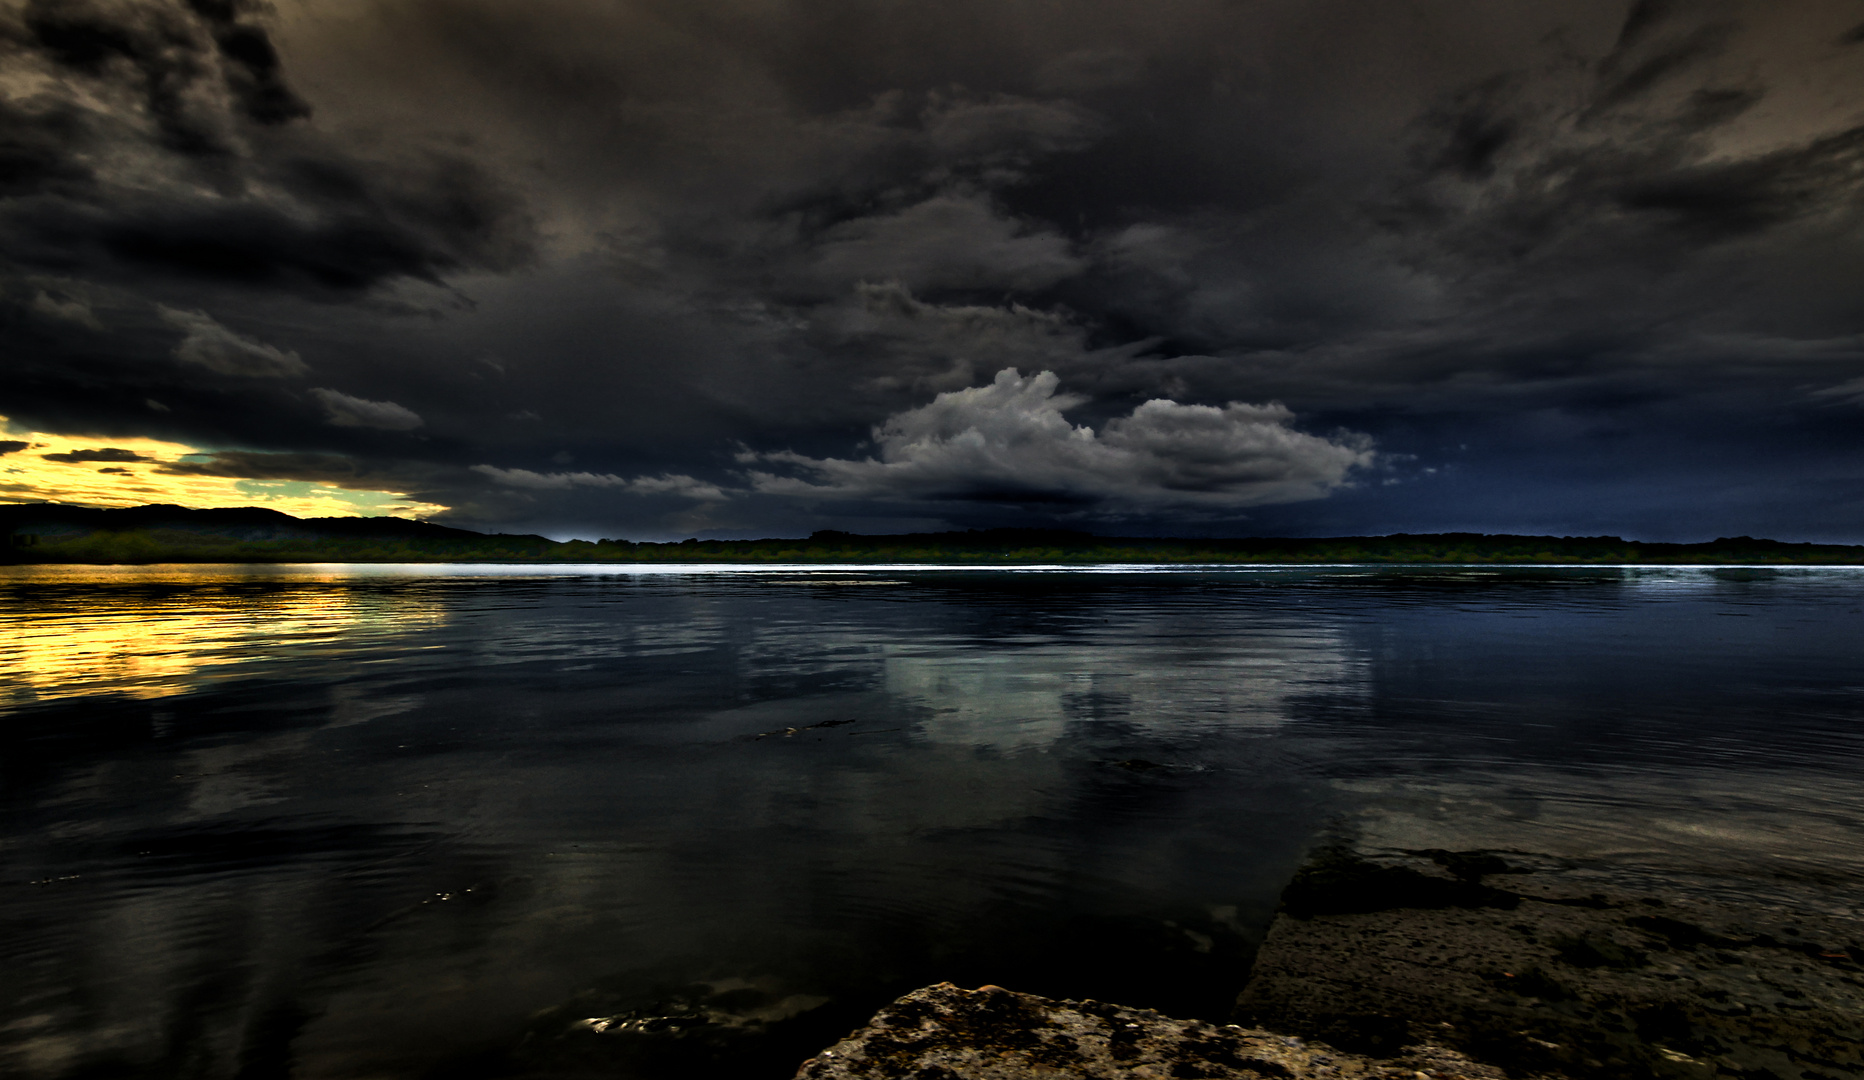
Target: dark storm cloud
point(1717, 200)
point(336, 226)
point(210, 345)
point(343, 410)
point(338, 470)
point(164, 54)
point(153, 48)
point(251, 465)
point(252, 68)
point(12, 446)
point(35, 149)
point(224, 189)
point(660, 267)
point(1671, 176)
point(1645, 56)
point(107, 453)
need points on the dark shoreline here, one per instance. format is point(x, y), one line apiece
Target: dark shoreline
point(42, 533)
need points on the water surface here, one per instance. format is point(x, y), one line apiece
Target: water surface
point(369, 821)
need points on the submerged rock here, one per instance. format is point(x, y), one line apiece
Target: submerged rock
point(943, 1032)
point(1538, 965)
point(723, 1027)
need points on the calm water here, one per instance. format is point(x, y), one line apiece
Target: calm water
point(480, 821)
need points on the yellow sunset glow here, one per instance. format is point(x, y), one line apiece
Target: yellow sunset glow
point(32, 474)
point(158, 646)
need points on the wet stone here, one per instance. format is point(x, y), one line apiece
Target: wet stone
point(944, 1032)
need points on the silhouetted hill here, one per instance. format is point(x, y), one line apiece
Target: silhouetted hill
point(49, 532)
point(250, 521)
point(46, 532)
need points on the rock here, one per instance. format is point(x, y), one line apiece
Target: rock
point(943, 1032)
point(1538, 965)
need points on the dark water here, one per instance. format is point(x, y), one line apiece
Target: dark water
point(427, 822)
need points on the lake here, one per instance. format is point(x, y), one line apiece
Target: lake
point(488, 821)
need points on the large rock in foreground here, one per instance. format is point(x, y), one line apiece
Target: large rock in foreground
point(943, 1032)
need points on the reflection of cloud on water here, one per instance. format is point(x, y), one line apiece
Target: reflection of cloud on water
point(127, 630)
point(350, 705)
point(1021, 697)
point(1007, 701)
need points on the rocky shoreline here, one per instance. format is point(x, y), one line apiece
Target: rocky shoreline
point(1445, 964)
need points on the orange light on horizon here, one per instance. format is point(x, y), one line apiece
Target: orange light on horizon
point(126, 471)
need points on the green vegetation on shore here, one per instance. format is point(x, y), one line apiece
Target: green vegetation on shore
point(50, 533)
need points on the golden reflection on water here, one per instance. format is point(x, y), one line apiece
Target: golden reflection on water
point(153, 632)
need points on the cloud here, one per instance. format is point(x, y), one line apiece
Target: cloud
point(1089, 70)
point(342, 410)
point(108, 453)
point(337, 470)
point(157, 52)
point(946, 242)
point(557, 481)
point(424, 483)
point(68, 309)
point(1009, 442)
point(1629, 73)
point(38, 141)
point(162, 136)
point(1650, 169)
point(920, 346)
point(1849, 392)
point(341, 226)
point(12, 446)
point(250, 65)
point(210, 345)
point(666, 484)
point(1005, 133)
point(675, 228)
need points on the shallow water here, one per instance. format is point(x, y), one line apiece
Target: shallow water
point(433, 821)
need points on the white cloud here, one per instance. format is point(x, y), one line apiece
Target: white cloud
point(1010, 442)
point(664, 484)
point(214, 347)
point(345, 411)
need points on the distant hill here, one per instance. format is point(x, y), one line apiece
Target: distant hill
point(51, 533)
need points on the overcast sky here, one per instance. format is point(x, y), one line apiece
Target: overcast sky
point(659, 268)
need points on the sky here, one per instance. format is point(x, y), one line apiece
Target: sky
point(735, 268)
